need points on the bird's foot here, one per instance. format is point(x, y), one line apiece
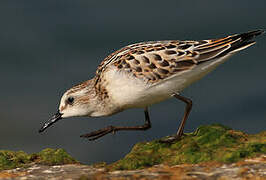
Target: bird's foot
point(171, 139)
point(177, 137)
point(99, 133)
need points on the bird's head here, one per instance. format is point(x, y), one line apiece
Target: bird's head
point(76, 101)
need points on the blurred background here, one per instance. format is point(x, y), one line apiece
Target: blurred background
point(48, 46)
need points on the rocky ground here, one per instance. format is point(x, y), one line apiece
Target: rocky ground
point(211, 152)
point(253, 168)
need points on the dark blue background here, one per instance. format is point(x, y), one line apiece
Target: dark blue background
point(48, 46)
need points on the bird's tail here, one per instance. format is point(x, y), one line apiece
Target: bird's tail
point(244, 40)
point(215, 48)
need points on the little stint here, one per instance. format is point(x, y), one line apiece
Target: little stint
point(146, 73)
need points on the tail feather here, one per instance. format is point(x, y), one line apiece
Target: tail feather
point(216, 48)
point(245, 40)
point(250, 35)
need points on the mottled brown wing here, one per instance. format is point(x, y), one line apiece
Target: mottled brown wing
point(153, 61)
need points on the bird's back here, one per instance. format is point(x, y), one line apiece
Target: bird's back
point(150, 72)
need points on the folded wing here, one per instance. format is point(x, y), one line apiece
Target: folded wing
point(156, 60)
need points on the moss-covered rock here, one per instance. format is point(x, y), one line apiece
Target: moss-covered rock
point(12, 159)
point(208, 143)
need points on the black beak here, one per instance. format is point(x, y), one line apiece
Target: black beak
point(51, 121)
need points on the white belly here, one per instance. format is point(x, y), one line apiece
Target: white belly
point(127, 91)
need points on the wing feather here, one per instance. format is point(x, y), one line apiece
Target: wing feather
point(156, 60)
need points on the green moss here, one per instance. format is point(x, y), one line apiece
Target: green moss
point(53, 157)
point(12, 159)
point(207, 143)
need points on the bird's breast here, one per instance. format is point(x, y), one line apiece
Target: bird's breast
point(127, 91)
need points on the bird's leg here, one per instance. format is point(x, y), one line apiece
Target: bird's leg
point(188, 102)
point(180, 131)
point(112, 129)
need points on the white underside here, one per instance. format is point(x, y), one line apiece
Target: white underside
point(127, 91)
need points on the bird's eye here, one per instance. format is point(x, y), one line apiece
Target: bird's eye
point(70, 100)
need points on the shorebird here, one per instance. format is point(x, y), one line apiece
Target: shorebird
point(146, 73)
